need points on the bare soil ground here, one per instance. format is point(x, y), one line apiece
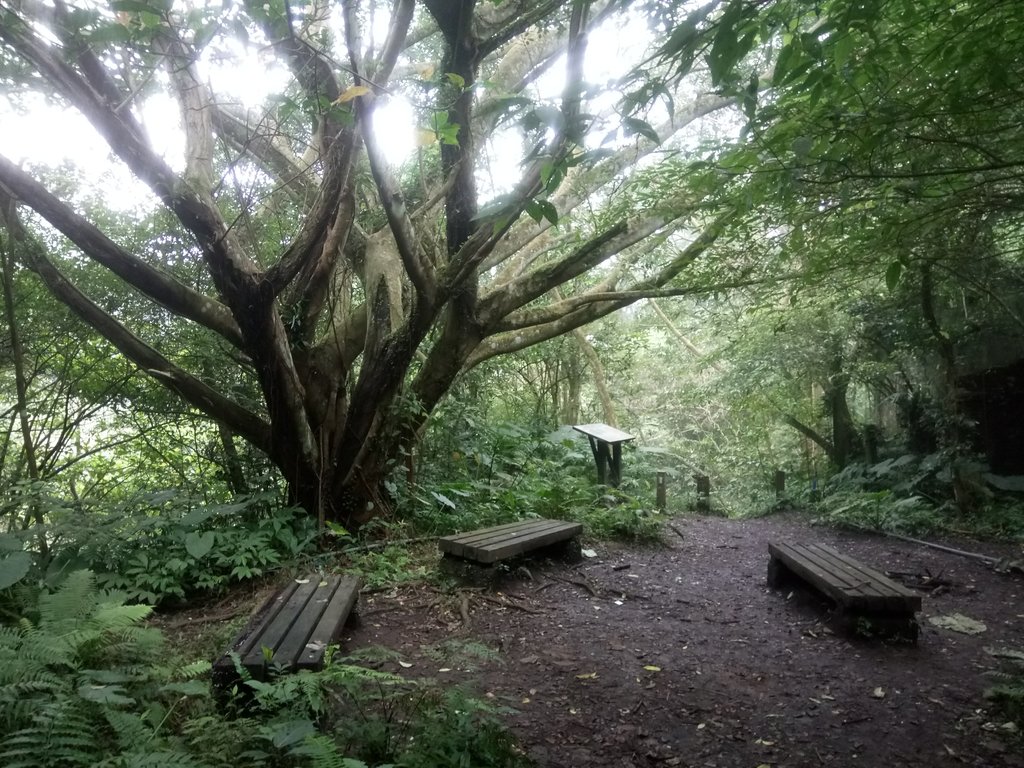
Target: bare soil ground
point(681, 656)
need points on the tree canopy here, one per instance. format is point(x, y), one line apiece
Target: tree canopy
point(319, 301)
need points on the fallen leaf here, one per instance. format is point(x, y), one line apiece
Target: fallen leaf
point(878, 693)
point(589, 553)
point(404, 664)
point(587, 676)
point(701, 727)
point(445, 669)
point(652, 668)
point(302, 581)
point(957, 622)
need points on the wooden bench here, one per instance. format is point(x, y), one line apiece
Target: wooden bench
point(489, 545)
point(291, 630)
point(864, 597)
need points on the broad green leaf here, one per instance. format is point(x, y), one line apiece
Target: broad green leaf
point(634, 125)
point(135, 6)
point(443, 499)
point(105, 694)
point(199, 545)
point(892, 275)
point(13, 568)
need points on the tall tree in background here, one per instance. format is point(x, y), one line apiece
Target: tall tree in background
point(346, 296)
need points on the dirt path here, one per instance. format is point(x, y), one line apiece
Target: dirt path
point(681, 656)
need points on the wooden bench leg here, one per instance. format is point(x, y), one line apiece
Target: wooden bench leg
point(778, 574)
point(883, 626)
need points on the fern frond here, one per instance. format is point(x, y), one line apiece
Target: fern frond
point(322, 752)
point(195, 669)
point(74, 600)
point(131, 730)
point(110, 616)
point(159, 759)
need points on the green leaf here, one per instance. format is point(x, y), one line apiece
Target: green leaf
point(134, 6)
point(539, 210)
point(199, 545)
point(13, 568)
point(634, 125)
point(288, 733)
point(892, 275)
point(443, 499)
point(842, 49)
point(108, 33)
point(105, 694)
point(456, 79)
point(727, 50)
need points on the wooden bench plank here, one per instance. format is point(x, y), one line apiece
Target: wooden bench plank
point(296, 624)
point(851, 585)
point(478, 540)
point(343, 602)
point(274, 634)
point(879, 580)
point(525, 543)
point(488, 545)
point(857, 590)
point(845, 580)
point(483, 536)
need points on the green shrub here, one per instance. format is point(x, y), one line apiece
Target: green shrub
point(84, 683)
point(168, 547)
point(1008, 690)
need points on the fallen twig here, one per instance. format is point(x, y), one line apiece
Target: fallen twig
point(579, 583)
point(509, 604)
point(942, 547)
point(679, 533)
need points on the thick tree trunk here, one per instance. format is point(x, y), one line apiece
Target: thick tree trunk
point(845, 439)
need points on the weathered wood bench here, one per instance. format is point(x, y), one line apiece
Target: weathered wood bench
point(291, 630)
point(864, 597)
point(489, 545)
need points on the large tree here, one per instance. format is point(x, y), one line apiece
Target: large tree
point(346, 294)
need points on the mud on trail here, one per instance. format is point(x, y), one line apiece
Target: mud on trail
point(681, 656)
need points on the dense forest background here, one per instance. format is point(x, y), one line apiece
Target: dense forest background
point(758, 236)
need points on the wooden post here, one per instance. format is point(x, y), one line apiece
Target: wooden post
point(703, 493)
point(616, 466)
point(602, 461)
point(780, 484)
point(660, 491)
point(606, 445)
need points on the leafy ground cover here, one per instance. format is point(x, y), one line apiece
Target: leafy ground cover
point(681, 656)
